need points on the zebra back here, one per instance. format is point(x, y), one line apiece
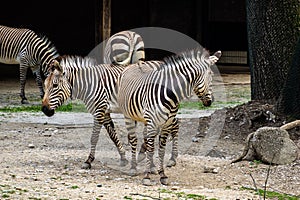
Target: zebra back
point(82, 78)
point(124, 47)
point(157, 87)
point(24, 46)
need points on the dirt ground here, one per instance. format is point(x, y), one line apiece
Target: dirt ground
point(42, 161)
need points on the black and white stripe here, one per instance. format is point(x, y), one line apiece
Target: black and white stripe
point(81, 78)
point(124, 47)
point(25, 47)
point(151, 91)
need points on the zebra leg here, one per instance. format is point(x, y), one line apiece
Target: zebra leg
point(132, 139)
point(149, 141)
point(142, 153)
point(94, 140)
point(174, 138)
point(109, 126)
point(161, 154)
point(39, 82)
point(23, 73)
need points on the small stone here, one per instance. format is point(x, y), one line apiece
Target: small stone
point(47, 134)
point(31, 146)
point(99, 185)
point(174, 188)
point(195, 139)
point(227, 137)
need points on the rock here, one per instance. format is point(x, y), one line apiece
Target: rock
point(210, 170)
point(271, 145)
point(215, 154)
point(31, 146)
point(195, 139)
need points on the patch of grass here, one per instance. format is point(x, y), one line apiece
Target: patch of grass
point(74, 187)
point(70, 107)
point(5, 195)
point(199, 106)
point(271, 194)
point(185, 196)
point(31, 108)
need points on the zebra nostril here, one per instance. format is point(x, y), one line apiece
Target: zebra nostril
point(207, 103)
point(48, 112)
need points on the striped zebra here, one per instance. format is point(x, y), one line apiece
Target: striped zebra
point(81, 78)
point(151, 91)
point(26, 48)
point(124, 47)
point(127, 47)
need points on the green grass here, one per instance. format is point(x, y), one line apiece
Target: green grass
point(184, 195)
point(199, 106)
point(235, 96)
point(274, 195)
point(70, 107)
point(80, 107)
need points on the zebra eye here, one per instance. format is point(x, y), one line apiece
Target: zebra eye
point(55, 85)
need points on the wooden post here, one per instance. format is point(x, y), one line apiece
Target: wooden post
point(102, 20)
point(106, 19)
point(98, 12)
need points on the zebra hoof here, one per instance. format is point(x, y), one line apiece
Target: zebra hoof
point(171, 163)
point(141, 157)
point(164, 180)
point(86, 166)
point(123, 163)
point(132, 172)
point(153, 170)
point(24, 101)
point(146, 182)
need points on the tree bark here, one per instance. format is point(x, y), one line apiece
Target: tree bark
point(289, 101)
point(272, 35)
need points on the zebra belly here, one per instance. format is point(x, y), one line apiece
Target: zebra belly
point(9, 61)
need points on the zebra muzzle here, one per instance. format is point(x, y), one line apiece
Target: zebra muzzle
point(48, 112)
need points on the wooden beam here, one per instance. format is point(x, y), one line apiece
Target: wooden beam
point(98, 22)
point(106, 19)
point(102, 20)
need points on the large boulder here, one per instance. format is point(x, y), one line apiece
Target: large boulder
point(270, 145)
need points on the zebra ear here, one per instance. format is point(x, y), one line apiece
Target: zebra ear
point(214, 58)
point(54, 65)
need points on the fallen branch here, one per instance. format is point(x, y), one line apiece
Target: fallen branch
point(290, 125)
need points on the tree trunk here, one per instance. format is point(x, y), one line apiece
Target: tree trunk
point(289, 102)
point(272, 35)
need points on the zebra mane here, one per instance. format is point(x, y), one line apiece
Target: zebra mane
point(47, 42)
point(188, 55)
point(77, 62)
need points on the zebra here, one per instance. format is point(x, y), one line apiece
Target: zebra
point(24, 47)
point(81, 78)
point(127, 47)
point(124, 47)
point(121, 49)
point(151, 91)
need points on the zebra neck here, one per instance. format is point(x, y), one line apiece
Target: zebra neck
point(180, 81)
point(82, 84)
point(44, 52)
